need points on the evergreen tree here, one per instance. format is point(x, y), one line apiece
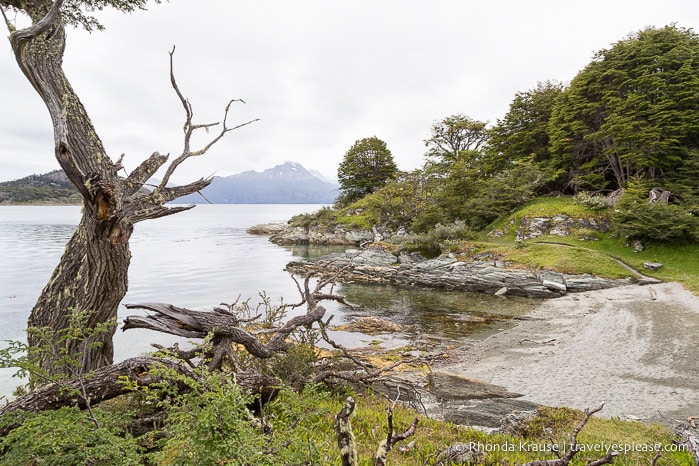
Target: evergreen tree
point(366, 167)
point(456, 138)
point(633, 111)
point(523, 132)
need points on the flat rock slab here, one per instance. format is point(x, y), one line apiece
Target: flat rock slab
point(451, 386)
point(484, 413)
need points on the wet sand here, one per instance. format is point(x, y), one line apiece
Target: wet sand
point(634, 347)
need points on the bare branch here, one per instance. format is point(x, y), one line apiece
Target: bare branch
point(10, 26)
point(386, 445)
point(157, 211)
point(189, 127)
point(143, 173)
point(573, 446)
point(185, 103)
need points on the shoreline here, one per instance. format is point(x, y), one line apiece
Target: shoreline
point(632, 346)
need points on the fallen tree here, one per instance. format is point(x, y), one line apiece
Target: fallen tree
point(109, 382)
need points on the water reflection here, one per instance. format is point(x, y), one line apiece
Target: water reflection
point(437, 313)
point(311, 251)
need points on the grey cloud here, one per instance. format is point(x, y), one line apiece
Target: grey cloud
point(319, 74)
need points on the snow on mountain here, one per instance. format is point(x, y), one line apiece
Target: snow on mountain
point(288, 183)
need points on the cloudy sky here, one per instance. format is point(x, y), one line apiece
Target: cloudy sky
point(319, 74)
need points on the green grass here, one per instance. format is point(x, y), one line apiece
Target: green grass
point(432, 436)
point(680, 260)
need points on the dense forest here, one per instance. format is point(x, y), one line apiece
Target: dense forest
point(628, 124)
point(49, 188)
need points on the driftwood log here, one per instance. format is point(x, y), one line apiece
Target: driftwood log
point(198, 324)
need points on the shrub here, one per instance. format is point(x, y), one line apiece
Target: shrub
point(636, 218)
point(67, 437)
point(593, 201)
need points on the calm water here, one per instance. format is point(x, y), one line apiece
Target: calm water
point(203, 257)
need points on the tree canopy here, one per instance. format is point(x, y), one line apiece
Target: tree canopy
point(366, 167)
point(74, 12)
point(523, 131)
point(454, 138)
point(633, 111)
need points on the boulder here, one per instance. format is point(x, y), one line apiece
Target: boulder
point(652, 265)
point(558, 225)
point(267, 229)
point(370, 325)
point(449, 386)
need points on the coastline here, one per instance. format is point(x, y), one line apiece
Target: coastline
point(633, 347)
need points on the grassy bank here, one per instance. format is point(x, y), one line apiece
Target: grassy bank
point(588, 252)
point(551, 426)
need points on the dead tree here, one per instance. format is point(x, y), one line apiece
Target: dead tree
point(92, 274)
point(227, 329)
point(345, 437)
point(564, 460)
point(386, 445)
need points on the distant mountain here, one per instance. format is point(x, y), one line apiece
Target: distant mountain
point(50, 188)
point(289, 183)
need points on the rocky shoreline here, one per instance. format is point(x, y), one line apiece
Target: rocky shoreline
point(602, 339)
point(631, 347)
point(376, 265)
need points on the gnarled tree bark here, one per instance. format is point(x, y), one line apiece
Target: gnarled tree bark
point(92, 275)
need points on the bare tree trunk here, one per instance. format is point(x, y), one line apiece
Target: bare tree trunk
point(92, 274)
point(92, 277)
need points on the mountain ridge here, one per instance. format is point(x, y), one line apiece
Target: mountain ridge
point(287, 183)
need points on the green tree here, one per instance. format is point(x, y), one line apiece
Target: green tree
point(454, 138)
point(523, 132)
point(633, 111)
point(477, 198)
point(92, 275)
point(366, 167)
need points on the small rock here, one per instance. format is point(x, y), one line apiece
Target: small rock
point(554, 286)
point(652, 265)
point(501, 292)
point(371, 325)
point(638, 246)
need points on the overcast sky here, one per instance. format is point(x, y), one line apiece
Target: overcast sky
point(319, 74)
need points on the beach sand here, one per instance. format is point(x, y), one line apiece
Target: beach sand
point(633, 347)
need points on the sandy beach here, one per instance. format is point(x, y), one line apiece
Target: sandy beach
point(634, 347)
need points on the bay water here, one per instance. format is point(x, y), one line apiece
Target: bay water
point(203, 257)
